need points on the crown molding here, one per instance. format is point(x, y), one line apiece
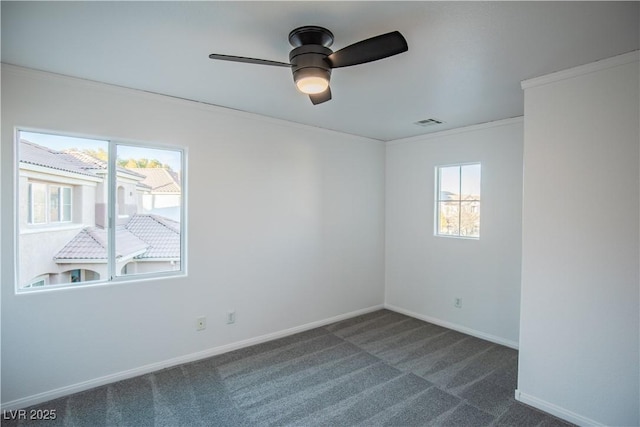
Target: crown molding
point(472, 128)
point(625, 58)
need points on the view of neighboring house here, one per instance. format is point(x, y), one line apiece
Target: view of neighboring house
point(63, 217)
point(163, 198)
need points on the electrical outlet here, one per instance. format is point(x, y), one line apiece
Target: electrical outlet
point(201, 323)
point(231, 317)
point(457, 302)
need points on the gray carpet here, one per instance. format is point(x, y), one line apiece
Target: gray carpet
point(378, 369)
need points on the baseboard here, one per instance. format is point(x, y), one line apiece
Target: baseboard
point(142, 370)
point(555, 410)
point(455, 327)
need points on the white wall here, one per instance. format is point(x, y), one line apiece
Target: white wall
point(579, 336)
point(424, 273)
point(286, 226)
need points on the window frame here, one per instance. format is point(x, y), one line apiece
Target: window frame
point(35, 282)
point(112, 214)
point(460, 201)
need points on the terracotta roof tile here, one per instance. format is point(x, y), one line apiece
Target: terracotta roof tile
point(91, 243)
point(161, 234)
point(158, 237)
point(35, 154)
point(67, 160)
point(160, 180)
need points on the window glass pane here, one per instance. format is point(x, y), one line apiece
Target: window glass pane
point(37, 203)
point(54, 200)
point(75, 276)
point(68, 163)
point(66, 204)
point(470, 219)
point(149, 189)
point(449, 183)
point(470, 182)
point(91, 275)
point(448, 219)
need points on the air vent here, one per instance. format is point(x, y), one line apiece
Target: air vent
point(428, 122)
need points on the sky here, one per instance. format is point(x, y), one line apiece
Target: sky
point(59, 143)
point(470, 174)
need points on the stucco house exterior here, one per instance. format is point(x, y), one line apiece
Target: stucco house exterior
point(164, 196)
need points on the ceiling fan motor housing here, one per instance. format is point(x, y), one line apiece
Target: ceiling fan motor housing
point(309, 61)
point(310, 34)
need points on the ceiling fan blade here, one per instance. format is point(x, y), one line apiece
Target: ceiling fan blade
point(248, 60)
point(368, 50)
point(321, 97)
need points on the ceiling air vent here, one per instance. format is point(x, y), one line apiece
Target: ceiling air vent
point(428, 122)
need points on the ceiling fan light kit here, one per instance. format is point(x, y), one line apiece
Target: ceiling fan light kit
point(309, 82)
point(311, 60)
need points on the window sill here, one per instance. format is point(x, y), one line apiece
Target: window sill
point(49, 228)
point(453, 236)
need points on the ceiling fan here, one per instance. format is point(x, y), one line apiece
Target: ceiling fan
point(311, 60)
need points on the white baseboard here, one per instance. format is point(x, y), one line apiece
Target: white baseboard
point(455, 327)
point(555, 410)
point(142, 370)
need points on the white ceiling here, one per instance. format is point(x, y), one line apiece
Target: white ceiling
point(464, 64)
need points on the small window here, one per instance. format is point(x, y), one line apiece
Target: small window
point(458, 200)
point(38, 282)
point(49, 203)
point(75, 275)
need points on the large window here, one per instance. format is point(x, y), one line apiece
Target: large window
point(95, 211)
point(458, 200)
